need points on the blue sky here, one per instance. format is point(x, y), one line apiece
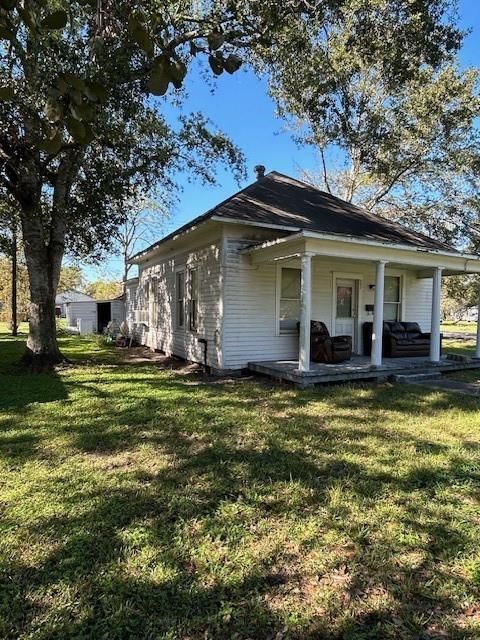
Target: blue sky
point(241, 107)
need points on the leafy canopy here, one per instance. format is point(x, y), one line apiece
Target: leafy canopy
point(79, 129)
point(104, 289)
point(408, 149)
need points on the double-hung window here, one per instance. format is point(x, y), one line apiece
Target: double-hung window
point(180, 298)
point(153, 302)
point(392, 301)
point(289, 304)
point(193, 300)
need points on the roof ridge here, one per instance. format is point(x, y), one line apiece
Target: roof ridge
point(198, 219)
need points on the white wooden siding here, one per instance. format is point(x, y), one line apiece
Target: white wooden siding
point(162, 332)
point(237, 311)
point(250, 315)
point(118, 313)
point(86, 311)
point(418, 304)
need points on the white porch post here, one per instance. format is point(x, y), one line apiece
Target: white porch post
point(377, 332)
point(305, 313)
point(435, 324)
point(477, 349)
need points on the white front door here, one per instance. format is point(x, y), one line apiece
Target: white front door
point(346, 308)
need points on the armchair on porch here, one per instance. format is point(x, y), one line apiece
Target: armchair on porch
point(327, 348)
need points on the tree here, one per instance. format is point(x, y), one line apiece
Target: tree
point(409, 150)
point(104, 289)
point(71, 277)
point(144, 223)
point(6, 298)
point(73, 143)
point(462, 292)
point(9, 225)
point(23, 294)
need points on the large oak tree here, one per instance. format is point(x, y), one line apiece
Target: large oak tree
point(79, 129)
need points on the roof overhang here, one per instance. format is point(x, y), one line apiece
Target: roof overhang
point(353, 248)
point(166, 244)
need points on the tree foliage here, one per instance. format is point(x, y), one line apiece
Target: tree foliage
point(104, 289)
point(409, 150)
point(23, 294)
point(461, 293)
point(71, 277)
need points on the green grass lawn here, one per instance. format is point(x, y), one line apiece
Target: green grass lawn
point(140, 503)
point(460, 327)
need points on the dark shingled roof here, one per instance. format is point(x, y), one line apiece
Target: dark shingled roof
point(279, 200)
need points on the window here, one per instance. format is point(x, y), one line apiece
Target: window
point(193, 299)
point(142, 303)
point(153, 302)
point(180, 298)
point(392, 299)
point(289, 299)
point(344, 301)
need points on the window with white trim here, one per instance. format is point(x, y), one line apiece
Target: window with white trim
point(392, 299)
point(289, 303)
point(153, 302)
point(193, 299)
point(180, 298)
point(141, 303)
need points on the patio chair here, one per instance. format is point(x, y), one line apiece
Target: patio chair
point(327, 348)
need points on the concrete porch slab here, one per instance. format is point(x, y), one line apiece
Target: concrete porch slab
point(357, 368)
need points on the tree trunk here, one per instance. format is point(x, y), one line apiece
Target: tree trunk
point(42, 350)
point(43, 263)
point(14, 325)
point(44, 246)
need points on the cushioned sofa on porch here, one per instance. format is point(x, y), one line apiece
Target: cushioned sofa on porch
point(400, 339)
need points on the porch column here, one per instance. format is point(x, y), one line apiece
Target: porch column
point(435, 323)
point(305, 313)
point(477, 349)
point(377, 331)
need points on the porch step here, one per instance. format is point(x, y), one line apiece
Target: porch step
point(416, 377)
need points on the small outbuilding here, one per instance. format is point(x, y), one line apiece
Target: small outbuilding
point(93, 316)
point(72, 295)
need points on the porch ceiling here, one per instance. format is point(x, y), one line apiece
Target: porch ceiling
point(349, 248)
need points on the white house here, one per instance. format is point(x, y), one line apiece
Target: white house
point(231, 285)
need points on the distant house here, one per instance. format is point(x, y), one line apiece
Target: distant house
point(233, 286)
point(470, 314)
point(69, 296)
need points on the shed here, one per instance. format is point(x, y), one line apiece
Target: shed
point(72, 295)
point(93, 316)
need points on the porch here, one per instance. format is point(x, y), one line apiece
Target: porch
point(360, 368)
point(357, 293)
